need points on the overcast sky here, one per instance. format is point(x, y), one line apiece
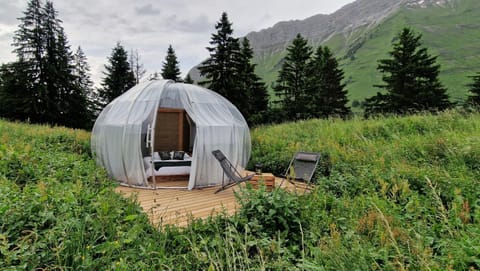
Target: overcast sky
point(150, 26)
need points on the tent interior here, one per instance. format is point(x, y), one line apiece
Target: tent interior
point(174, 134)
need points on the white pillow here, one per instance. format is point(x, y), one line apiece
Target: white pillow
point(156, 156)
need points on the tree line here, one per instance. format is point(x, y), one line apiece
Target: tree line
point(308, 86)
point(49, 83)
point(310, 81)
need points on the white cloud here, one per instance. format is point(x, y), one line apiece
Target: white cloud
point(147, 9)
point(150, 26)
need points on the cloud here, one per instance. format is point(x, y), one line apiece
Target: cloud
point(96, 25)
point(195, 25)
point(8, 12)
point(147, 9)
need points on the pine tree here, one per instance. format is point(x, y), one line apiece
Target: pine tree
point(57, 68)
point(39, 85)
point(136, 66)
point(327, 94)
point(15, 99)
point(84, 84)
point(118, 76)
point(27, 72)
point(170, 69)
point(188, 80)
point(221, 68)
point(82, 74)
point(411, 80)
point(256, 98)
point(474, 89)
point(293, 80)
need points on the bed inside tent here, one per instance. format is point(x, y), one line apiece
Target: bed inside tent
point(174, 136)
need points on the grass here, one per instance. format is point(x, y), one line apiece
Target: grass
point(403, 194)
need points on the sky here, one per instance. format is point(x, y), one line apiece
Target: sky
point(150, 26)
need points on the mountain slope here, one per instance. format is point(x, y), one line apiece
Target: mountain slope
point(361, 33)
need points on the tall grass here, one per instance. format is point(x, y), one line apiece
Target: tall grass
point(403, 194)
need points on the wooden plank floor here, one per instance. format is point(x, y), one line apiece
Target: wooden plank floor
point(176, 206)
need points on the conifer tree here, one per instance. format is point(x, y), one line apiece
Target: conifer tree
point(221, 68)
point(118, 76)
point(411, 80)
point(293, 80)
point(327, 94)
point(40, 86)
point(474, 89)
point(57, 65)
point(256, 98)
point(27, 72)
point(170, 69)
point(16, 101)
point(84, 83)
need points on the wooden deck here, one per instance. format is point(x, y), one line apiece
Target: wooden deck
point(177, 206)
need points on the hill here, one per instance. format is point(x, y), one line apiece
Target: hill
point(361, 33)
point(402, 194)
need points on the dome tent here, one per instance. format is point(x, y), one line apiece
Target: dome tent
point(130, 128)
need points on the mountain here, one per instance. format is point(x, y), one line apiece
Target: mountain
point(362, 32)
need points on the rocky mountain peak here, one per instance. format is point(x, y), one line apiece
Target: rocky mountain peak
point(318, 28)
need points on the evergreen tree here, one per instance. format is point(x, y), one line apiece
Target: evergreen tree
point(411, 80)
point(221, 68)
point(118, 76)
point(474, 99)
point(136, 66)
point(15, 100)
point(57, 66)
point(188, 79)
point(170, 69)
point(40, 86)
point(327, 94)
point(293, 80)
point(84, 83)
point(27, 73)
point(256, 102)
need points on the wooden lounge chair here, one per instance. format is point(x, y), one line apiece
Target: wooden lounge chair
point(230, 171)
point(302, 167)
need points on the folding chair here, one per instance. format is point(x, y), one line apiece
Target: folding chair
point(302, 167)
point(229, 169)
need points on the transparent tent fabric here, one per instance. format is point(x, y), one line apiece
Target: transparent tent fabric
point(119, 133)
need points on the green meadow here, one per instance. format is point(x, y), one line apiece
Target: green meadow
point(391, 193)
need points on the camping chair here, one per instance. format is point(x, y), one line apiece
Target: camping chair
point(302, 167)
point(229, 170)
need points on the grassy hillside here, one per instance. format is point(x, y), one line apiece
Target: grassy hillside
point(403, 194)
point(451, 33)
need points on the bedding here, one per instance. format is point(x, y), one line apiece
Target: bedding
point(168, 167)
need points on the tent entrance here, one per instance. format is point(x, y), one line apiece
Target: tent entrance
point(174, 131)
